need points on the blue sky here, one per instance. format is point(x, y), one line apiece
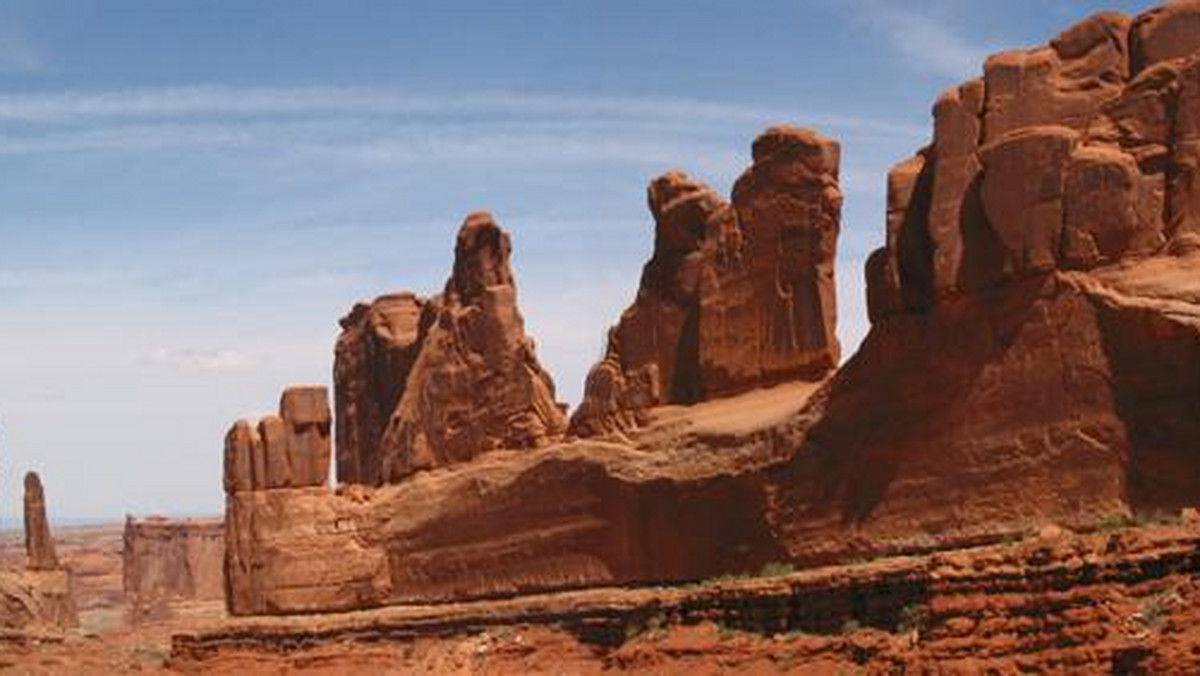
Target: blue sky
point(191, 194)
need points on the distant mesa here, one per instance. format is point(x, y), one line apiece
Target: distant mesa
point(165, 562)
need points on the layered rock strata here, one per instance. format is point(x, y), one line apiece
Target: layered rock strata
point(167, 561)
point(1123, 602)
point(424, 383)
point(290, 450)
point(736, 295)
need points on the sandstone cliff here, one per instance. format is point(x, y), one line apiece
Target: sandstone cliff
point(423, 383)
point(1035, 310)
point(1034, 357)
point(1121, 602)
point(735, 296)
point(166, 561)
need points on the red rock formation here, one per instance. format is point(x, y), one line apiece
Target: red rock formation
point(426, 383)
point(374, 355)
point(1123, 602)
point(165, 561)
point(1079, 387)
point(1034, 357)
point(39, 597)
point(735, 296)
point(289, 450)
point(39, 544)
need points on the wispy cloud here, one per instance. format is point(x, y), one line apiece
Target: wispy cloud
point(384, 127)
point(221, 101)
point(198, 360)
point(922, 36)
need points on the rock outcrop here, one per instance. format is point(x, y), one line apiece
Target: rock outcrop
point(288, 450)
point(1064, 157)
point(735, 296)
point(39, 544)
point(1121, 602)
point(1034, 358)
point(168, 561)
point(1037, 321)
point(423, 383)
point(37, 598)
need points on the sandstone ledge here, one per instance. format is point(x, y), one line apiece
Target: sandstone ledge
point(1106, 601)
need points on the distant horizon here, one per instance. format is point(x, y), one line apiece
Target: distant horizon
point(195, 194)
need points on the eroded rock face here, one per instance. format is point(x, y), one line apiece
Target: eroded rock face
point(165, 561)
point(735, 296)
point(289, 450)
point(1034, 358)
point(1058, 351)
point(39, 597)
point(374, 355)
point(1062, 157)
point(39, 544)
point(1131, 608)
point(426, 383)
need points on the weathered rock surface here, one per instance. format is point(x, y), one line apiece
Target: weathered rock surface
point(573, 514)
point(1064, 156)
point(1075, 391)
point(427, 383)
point(1080, 388)
point(1122, 602)
point(39, 544)
point(36, 601)
point(375, 353)
point(167, 561)
point(1036, 333)
point(289, 450)
point(38, 597)
point(735, 296)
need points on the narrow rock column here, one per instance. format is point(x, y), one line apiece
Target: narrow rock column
point(39, 545)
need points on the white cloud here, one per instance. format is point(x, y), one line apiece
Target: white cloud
point(196, 360)
point(222, 101)
point(927, 41)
